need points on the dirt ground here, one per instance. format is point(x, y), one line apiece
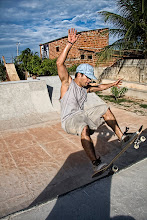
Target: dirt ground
point(132, 106)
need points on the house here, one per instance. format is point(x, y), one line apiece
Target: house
point(83, 51)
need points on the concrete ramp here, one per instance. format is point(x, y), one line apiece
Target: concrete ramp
point(11, 71)
point(54, 84)
point(39, 161)
point(24, 103)
point(30, 102)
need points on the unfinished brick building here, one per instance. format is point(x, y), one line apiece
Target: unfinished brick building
point(83, 51)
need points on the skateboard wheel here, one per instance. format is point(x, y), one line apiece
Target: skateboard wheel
point(114, 168)
point(143, 139)
point(136, 146)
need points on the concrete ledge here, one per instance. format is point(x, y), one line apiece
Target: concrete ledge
point(129, 85)
point(24, 103)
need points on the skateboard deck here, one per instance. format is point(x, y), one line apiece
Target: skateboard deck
point(110, 167)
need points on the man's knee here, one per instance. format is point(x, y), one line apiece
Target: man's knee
point(85, 132)
point(108, 114)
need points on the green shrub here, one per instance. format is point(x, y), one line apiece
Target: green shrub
point(118, 92)
point(48, 67)
point(72, 69)
point(32, 63)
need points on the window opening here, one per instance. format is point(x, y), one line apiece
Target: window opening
point(90, 57)
point(57, 49)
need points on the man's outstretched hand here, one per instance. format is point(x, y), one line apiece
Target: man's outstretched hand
point(118, 83)
point(72, 35)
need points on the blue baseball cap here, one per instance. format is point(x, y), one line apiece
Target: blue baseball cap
point(87, 70)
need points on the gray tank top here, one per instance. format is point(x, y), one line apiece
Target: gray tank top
point(73, 101)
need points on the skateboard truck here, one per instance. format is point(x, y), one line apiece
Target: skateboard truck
point(138, 141)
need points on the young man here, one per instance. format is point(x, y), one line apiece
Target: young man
point(74, 119)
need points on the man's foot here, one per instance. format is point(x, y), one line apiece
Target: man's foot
point(126, 138)
point(99, 167)
point(98, 164)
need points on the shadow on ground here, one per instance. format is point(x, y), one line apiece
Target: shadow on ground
point(75, 208)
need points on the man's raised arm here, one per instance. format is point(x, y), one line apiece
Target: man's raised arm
point(62, 71)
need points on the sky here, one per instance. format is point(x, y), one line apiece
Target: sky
point(32, 22)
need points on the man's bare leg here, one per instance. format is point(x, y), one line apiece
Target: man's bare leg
point(88, 146)
point(111, 122)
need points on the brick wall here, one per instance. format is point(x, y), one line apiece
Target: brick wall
point(84, 50)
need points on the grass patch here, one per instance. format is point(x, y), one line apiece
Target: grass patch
point(112, 99)
point(143, 105)
point(126, 103)
point(138, 111)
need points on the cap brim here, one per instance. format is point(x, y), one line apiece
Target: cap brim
point(89, 76)
point(94, 77)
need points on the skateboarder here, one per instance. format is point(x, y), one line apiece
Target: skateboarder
point(74, 119)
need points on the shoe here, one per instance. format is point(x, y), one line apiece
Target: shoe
point(126, 138)
point(98, 167)
point(91, 132)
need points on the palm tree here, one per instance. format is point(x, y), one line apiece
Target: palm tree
point(130, 25)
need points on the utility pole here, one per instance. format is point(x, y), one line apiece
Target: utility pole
point(17, 47)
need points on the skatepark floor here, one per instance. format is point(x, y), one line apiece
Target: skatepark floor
point(122, 196)
point(41, 162)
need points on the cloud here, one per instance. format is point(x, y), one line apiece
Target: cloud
point(30, 4)
point(32, 22)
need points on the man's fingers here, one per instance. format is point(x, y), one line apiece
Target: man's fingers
point(72, 31)
point(72, 35)
point(68, 31)
point(77, 36)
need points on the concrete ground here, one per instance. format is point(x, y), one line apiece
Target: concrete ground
point(122, 196)
point(41, 162)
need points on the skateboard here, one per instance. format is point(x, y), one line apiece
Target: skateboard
point(112, 168)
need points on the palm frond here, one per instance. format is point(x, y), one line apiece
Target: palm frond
point(115, 19)
point(130, 25)
point(120, 48)
point(117, 32)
